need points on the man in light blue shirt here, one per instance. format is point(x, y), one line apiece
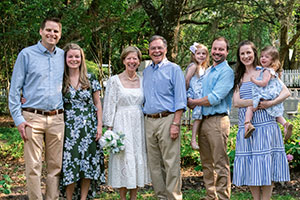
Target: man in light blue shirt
point(165, 101)
point(38, 73)
point(216, 103)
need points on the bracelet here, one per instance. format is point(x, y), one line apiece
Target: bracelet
point(176, 124)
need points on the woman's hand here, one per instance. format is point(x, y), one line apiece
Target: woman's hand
point(23, 100)
point(265, 104)
point(99, 133)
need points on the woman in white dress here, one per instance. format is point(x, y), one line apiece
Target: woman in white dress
point(122, 112)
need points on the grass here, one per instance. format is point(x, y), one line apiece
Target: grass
point(189, 195)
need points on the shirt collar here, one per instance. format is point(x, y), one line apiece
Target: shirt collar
point(44, 49)
point(219, 66)
point(165, 60)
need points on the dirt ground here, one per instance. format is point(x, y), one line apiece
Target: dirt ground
point(191, 179)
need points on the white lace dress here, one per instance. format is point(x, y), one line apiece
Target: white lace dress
point(122, 110)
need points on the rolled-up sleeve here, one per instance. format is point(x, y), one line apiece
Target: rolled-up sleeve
point(222, 88)
point(17, 82)
point(179, 90)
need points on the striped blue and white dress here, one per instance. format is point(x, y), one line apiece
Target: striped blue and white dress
point(260, 159)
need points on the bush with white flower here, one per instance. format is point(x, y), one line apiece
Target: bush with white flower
point(113, 142)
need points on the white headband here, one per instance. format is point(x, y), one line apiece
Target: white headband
point(193, 48)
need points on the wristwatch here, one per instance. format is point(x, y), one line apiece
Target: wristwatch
point(176, 124)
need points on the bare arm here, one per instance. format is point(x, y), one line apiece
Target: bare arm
point(189, 74)
point(175, 126)
point(264, 82)
point(238, 102)
point(285, 93)
point(97, 102)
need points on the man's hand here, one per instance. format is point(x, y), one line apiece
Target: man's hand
point(191, 103)
point(21, 129)
point(174, 131)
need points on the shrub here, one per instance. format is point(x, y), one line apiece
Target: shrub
point(292, 147)
point(11, 144)
point(188, 155)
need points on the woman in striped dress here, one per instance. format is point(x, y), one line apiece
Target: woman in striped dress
point(259, 160)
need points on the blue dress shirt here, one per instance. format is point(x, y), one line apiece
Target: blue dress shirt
point(217, 86)
point(39, 74)
point(164, 88)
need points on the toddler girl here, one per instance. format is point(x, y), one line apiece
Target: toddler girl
point(193, 80)
point(267, 87)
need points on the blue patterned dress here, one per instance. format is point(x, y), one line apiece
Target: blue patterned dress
point(269, 92)
point(260, 159)
point(195, 92)
point(82, 155)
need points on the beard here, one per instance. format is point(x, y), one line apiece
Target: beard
point(219, 60)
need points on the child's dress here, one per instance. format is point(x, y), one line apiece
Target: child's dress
point(195, 92)
point(269, 92)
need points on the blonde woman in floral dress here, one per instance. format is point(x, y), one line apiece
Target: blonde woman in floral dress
point(122, 112)
point(83, 160)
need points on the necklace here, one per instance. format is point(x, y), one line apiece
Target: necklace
point(133, 78)
point(74, 83)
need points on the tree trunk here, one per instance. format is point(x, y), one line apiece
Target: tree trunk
point(283, 49)
point(166, 22)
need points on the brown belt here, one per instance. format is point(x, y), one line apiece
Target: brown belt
point(44, 112)
point(217, 114)
point(159, 115)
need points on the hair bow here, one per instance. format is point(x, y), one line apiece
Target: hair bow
point(193, 48)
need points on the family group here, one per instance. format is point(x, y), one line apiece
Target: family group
point(55, 104)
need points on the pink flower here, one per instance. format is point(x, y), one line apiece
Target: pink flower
point(289, 157)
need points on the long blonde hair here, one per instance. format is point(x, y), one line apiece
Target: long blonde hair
point(83, 79)
point(205, 63)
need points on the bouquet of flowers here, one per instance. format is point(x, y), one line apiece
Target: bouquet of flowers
point(112, 141)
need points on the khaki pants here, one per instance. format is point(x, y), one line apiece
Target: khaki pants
point(163, 158)
point(213, 136)
point(48, 130)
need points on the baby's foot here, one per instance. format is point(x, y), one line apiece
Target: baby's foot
point(249, 128)
point(288, 129)
point(194, 145)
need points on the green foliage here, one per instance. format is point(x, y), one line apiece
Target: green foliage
point(92, 67)
point(292, 147)
point(11, 143)
point(5, 184)
point(188, 155)
point(231, 145)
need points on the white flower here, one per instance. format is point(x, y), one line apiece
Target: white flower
point(112, 141)
point(102, 142)
point(108, 133)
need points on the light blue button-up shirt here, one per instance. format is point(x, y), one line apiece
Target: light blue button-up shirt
point(217, 86)
point(164, 88)
point(39, 74)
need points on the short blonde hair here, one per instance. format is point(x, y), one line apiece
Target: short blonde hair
point(131, 49)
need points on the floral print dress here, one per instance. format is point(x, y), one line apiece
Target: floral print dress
point(269, 92)
point(82, 156)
